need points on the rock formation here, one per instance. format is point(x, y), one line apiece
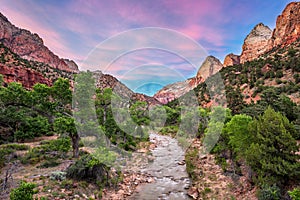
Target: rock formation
point(287, 26)
point(29, 46)
point(261, 39)
point(209, 67)
point(256, 43)
point(176, 90)
point(27, 77)
point(71, 64)
point(231, 59)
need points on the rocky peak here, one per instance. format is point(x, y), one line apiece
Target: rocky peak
point(71, 64)
point(29, 46)
point(209, 67)
point(231, 59)
point(287, 26)
point(256, 43)
point(261, 39)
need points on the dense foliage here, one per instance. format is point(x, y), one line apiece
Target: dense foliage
point(25, 191)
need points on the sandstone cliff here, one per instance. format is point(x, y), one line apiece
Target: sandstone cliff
point(256, 43)
point(27, 77)
point(231, 59)
point(30, 46)
point(287, 26)
point(261, 39)
point(209, 67)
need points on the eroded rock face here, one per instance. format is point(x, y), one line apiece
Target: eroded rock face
point(231, 59)
point(27, 77)
point(256, 43)
point(71, 64)
point(262, 39)
point(29, 46)
point(210, 66)
point(176, 90)
point(287, 26)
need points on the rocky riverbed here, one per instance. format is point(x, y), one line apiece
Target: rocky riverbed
point(158, 174)
point(168, 171)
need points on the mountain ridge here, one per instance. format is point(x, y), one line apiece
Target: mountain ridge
point(30, 46)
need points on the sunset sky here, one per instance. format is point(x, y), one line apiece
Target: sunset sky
point(73, 28)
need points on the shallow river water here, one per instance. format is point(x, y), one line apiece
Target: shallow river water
point(168, 170)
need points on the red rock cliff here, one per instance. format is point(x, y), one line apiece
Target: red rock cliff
point(287, 26)
point(27, 77)
point(29, 46)
point(261, 39)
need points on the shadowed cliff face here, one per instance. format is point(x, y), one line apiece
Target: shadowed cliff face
point(31, 46)
point(107, 81)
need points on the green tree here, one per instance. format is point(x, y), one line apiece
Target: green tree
point(139, 113)
point(66, 125)
point(238, 132)
point(272, 154)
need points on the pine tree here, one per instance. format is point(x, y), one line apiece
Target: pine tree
point(272, 154)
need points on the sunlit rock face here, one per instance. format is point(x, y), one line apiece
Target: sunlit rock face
point(31, 46)
point(287, 26)
point(262, 39)
point(231, 59)
point(256, 43)
point(209, 67)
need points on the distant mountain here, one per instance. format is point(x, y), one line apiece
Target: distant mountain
point(108, 81)
point(209, 67)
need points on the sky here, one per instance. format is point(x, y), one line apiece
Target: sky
point(114, 35)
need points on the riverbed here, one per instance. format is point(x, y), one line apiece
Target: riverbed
point(168, 170)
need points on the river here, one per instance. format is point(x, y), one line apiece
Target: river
point(168, 170)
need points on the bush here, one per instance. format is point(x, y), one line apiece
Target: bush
point(88, 169)
point(190, 157)
point(60, 145)
point(24, 192)
point(32, 127)
point(49, 163)
point(58, 176)
point(295, 194)
point(269, 193)
point(33, 156)
point(7, 149)
point(48, 150)
point(3, 154)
